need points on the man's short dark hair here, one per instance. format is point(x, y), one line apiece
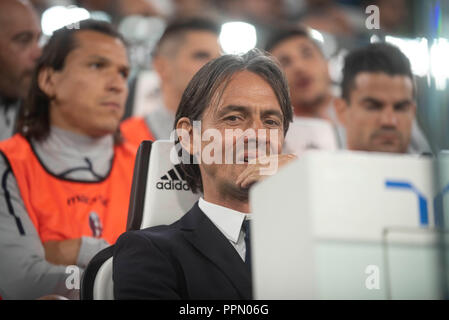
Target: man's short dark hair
point(212, 79)
point(34, 117)
point(374, 58)
point(177, 29)
point(284, 33)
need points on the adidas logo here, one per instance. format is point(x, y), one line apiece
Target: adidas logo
point(173, 180)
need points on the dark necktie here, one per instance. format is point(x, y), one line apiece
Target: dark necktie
point(246, 228)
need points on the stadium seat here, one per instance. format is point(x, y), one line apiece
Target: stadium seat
point(159, 195)
point(97, 282)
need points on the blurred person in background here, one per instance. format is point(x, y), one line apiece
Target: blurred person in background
point(183, 49)
point(66, 175)
point(263, 14)
point(19, 50)
point(120, 8)
point(39, 5)
point(378, 104)
point(393, 15)
point(194, 8)
point(266, 11)
point(306, 70)
point(331, 17)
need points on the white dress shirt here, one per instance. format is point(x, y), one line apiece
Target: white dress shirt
point(229, 222)
point(310, 133)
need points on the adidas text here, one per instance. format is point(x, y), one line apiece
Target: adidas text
point(172, 185)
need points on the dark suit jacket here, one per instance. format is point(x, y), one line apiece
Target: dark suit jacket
point(190, 259)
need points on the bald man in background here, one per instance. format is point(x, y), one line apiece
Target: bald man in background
point(19, 50)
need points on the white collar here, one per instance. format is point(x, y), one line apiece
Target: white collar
point(228, 221)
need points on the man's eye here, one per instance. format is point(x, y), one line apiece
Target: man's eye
point(96, 65)
point(285, 61)
point(124, 74)
point(201, 56)
point(23, 40)
point(272, 122)
point(307, 53)
point(232, 118)
point(372, 107)
point(402, 107)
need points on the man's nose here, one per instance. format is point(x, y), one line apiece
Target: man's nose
point(257, 124)
point(33, 53)
point(36, 52)
point(299, 65)
point(260, 132)
point(388, 117)
point(117, 82)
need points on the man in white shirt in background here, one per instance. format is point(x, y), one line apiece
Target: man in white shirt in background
point(307, 73)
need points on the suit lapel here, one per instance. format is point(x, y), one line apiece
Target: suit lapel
point(205, 236)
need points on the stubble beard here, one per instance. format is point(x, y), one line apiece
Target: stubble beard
point(232, 191)
point(228, 190)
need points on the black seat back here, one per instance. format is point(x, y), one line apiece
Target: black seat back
point(136, 203)
point(139, 184)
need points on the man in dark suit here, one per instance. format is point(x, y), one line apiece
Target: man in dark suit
point(243, 103)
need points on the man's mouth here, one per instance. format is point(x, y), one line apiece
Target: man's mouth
point(387, 138)
point(303, 82)
point(112, 105)
point(248, 157)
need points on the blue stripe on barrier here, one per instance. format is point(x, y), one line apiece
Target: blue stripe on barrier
point(422, 201)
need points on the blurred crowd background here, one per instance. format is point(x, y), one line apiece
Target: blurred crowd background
point(419, 28)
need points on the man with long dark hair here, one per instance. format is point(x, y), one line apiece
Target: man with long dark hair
point(66, 175)
point(243, 101)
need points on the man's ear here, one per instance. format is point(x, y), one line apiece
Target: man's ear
point(185, 133)
point(341, 106)
point(46, 81)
